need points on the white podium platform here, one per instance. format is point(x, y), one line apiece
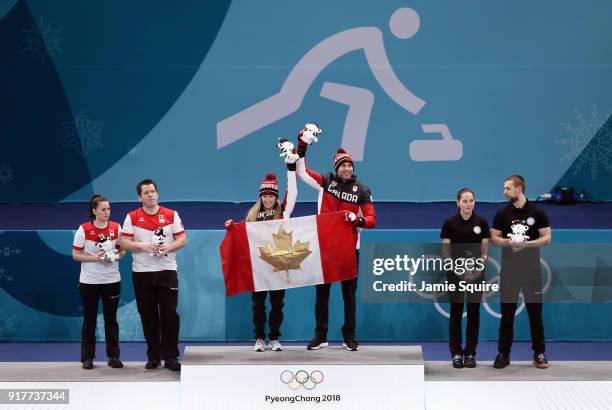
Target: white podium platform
point(380, 377)
point(344, 380)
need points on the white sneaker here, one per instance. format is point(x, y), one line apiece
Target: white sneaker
point(259, 346)
point(275, 346)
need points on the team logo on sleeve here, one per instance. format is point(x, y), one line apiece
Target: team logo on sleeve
point(477, 230)
point(530, 221)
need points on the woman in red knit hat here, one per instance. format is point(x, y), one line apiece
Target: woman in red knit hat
point(266, 208)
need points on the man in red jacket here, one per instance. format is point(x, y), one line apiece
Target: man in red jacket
point(337, 192)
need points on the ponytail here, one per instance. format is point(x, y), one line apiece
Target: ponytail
point(93, 204)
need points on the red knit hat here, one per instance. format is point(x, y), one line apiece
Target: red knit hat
point(269, 186)
point(341, 157)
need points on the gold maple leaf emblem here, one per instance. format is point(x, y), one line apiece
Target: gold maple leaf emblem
point(285, 255)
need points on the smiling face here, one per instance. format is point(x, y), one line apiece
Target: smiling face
point(148, 196)
point(345, 171)
point(268, 201)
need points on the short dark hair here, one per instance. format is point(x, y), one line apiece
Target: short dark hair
point(145, 182)
point(463, 191)
point(517, 180)
point(94, 202)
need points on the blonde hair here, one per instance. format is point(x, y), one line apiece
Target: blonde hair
point(258, 206)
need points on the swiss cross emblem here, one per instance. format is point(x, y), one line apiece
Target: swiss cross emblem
point(162, 218)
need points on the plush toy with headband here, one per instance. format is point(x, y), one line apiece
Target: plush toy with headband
point(518, 233)
point(158, 238)
point(309, 133)
point(287, 151)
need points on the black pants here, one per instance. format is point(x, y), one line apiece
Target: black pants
point(349, 289)
point(509, 289)
point(157, 299)
point(473, 322)
point(276, 313)
point(90, 297)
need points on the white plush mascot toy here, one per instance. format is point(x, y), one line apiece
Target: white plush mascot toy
point(105, 244)
point(287, 150)
point(518, 233)
point(158, 238)
point(309, 133)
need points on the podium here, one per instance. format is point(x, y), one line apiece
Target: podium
point(236, 377)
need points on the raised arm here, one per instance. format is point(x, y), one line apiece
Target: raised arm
point(291, 196)
point(307, 136)
point(290, 157)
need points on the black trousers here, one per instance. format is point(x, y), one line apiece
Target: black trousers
point(90, 297)
point(157, 299)
point(509, 290)
point(276, 313)
point(473, 322)
point(349, 289)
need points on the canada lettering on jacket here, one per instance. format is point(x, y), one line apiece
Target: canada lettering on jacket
point(345, 196)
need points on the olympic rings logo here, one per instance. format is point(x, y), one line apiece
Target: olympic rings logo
point(435, 295)
point(301, 378)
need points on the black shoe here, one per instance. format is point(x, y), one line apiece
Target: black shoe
point(540, 361)
point(152, 364)
point(115, 363)
point(458, 361)
point(317, 343)
point(88, 364)
point(173, 365)
point(469, 361)
point(501, 361)
point(351, 345)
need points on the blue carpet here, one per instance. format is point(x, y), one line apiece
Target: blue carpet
point(136, 351)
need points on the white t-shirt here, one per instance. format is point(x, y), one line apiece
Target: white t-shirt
point(141, 227)
point(86, 239)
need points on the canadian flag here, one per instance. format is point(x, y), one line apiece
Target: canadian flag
point(288, 253)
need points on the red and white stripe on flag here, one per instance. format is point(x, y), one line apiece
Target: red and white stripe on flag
point(288, 253)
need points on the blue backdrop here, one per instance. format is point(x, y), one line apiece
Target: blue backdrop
point(39, 299)
point(104, 93)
